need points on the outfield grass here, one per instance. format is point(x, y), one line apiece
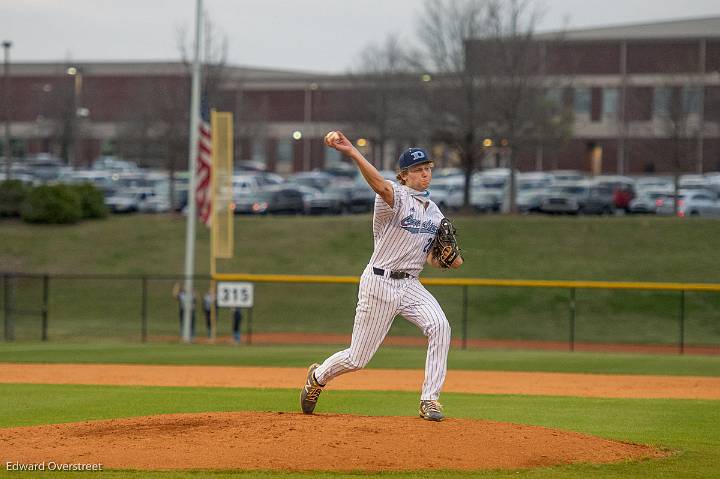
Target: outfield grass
point(386, 358)
point(616, 248)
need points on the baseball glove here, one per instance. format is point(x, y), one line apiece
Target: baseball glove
point(445, 247)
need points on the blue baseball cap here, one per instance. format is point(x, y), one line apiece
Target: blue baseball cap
point(412, 157)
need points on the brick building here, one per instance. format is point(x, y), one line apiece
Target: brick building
point(619, 81)
point(623, 84)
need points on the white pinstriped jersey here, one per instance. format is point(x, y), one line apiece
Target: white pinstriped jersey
point(404, 233)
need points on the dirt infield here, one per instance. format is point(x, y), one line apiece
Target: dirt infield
point(477, 382)
point(279, 441)
point(297, 442)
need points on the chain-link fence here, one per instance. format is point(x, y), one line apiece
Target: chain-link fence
point(142, 308)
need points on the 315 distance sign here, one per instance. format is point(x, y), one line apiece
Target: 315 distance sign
point(233, 294)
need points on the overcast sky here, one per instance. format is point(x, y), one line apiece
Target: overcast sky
point(314, 35)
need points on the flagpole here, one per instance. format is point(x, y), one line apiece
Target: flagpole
point(192, 158)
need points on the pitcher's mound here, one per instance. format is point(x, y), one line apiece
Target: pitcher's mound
point(297, 442)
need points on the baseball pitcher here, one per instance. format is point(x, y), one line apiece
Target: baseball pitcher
point(408, 230)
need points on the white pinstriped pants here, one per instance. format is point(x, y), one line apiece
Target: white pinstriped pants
point(380, 299)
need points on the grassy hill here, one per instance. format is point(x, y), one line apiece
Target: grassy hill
point(535, 247)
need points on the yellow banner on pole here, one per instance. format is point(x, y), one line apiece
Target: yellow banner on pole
point(222, 239)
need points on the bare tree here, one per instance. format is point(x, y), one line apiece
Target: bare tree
point(160, 121)
point(516, 86)
point(58, 107)
point(676, 106)
point(493, 86)
point(388, 80)
point(456, 99)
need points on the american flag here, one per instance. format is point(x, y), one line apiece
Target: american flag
point(204, 165)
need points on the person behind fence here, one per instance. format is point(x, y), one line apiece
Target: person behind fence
point(237, 319)
point(179, 294)
point(208, 301)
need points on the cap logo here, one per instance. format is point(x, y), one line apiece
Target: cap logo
point(417, 155)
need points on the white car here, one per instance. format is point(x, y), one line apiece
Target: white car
point(691, 203)
point(648, 201)
point(441, 188)
point(481, 199)
point(137, 199)
point(242, 184)
point(530, 200)
point(567, 175)
point(653, 183)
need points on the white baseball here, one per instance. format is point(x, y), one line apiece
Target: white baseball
point(331, 138)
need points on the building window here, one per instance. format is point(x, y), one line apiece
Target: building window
point(582, 101)
point(610, 102)
point(662, 97)
point(285, 151)
point(691, 99)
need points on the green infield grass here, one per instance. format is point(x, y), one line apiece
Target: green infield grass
point(503, 247)
point(386, 358)
point(687, 428)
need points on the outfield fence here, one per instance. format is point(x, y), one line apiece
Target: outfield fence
point(573, 315)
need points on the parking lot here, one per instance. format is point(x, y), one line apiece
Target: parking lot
point(341, 190)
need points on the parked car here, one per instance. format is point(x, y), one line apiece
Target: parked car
point(98, 178)
point(481, 199)
point(270, 199)
point(45, 168)
point(560, 176)
point(622, 187)
point(691, 203)
point(245, 183)
point(135, 199)
point(342, 171)
point(362, 198)
point(698, 182)
point(330, 201)
point(576, 198)
point(342, 189)
point(653, 183)
point(531, 189)
point(449, 172)
point(648, 201)
point(307, 193)
point(314, 179)
point(530, 200)
point(484, 200)
point(533, 180)
point(441, 188)
point(268, 178)
point(115, 165)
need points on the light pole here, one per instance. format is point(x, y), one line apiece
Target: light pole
point(6, 108)
point(77, 112)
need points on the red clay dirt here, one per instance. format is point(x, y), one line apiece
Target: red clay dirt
point(279, 441)
point(477, 382)
point(297, 442)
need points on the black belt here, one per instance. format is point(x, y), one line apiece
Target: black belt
point(393, 274)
